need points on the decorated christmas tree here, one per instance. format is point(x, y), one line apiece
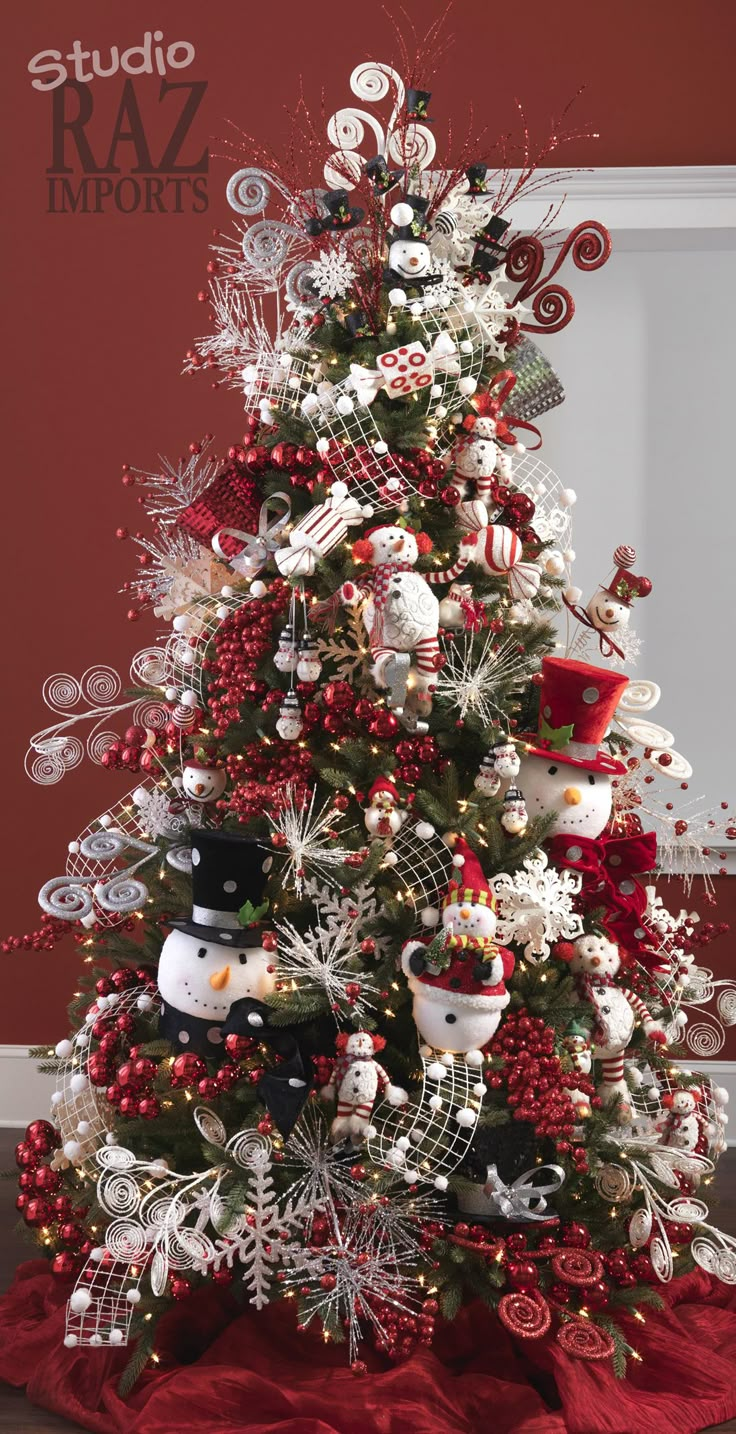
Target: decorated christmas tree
point(381, 1009)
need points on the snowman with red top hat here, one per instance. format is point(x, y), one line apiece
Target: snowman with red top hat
point(383, 816)
point(458, 978)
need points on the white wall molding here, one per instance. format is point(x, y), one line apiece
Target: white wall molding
point(25, 1094)
point(672, 207)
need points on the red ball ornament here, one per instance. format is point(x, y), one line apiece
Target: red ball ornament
point(46, 1181)
point(328, 1282)
point(187, 1069)
point(238, 1047)
point(65, 1265)
point(223, 1276)
point(180, 1288)
point(40, 1128)
point(37, 1212)
point(522, 1275)
point(208, 1088)
point(149, 1107)
point(450, 497)
point(384, 725)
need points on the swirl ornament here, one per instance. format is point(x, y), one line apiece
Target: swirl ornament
point(640, 1227)
point(97, 745)
point(613, 1183)
point(61, 692)
point(704, 1039)
point(727, 1006)
point(589, 245)
point(526, 1316)
point(410, 145)
point(583, 1340)
point(125, 1240)
point(209, 1126)
point(248, 191)
point(149, 667)
point(266, 245)
point(639, 696)
point(299, 290)
point(65, 899)
point(577, 1267)
point(44, 768)
point(100, 685)
point(660, 1255)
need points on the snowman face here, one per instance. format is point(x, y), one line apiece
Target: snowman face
point(410, 258)
point(515, 819)
point(606, 613)
point(476, 458)
point(289, 728)
point(449, 1026)
point(507, 760)
point(468, 918)
point(360, 1044)
point(581, 799)
point(203, 784)
point(204, 980)
point(683, 1103)
point(596, 956)
point(394, 545)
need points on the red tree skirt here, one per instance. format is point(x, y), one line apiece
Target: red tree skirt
point(224, 1372)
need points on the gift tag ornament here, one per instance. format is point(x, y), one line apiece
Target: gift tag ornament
point(212, 958)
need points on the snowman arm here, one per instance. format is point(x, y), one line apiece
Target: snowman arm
point(395, 1094)
point(353, 593)
point(651, 1026)
point(448, 575)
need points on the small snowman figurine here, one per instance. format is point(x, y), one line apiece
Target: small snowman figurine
point(409, 255)
point(221, 952)
point(487, 780)
point(685, 1127)
point(474, 457)
point(455, 605)
point(514, 817)
point(458, 979)
point(289, 724)
point(286, 656)
point(202, 781)
point(506, 757)
point(595, 963)
point(400, 612)
point(609, 610)
point(309, 665)
point(383, 815)
point(356, 1081)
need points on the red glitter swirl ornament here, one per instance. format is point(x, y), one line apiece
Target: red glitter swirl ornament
point(583, 1340)
point(526, 1316)
point(577, 1267)
point(553, 306)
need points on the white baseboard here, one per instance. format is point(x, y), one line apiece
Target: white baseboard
point(25, 1094)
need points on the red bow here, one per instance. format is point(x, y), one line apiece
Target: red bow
point(489, 405)
point(607, 865)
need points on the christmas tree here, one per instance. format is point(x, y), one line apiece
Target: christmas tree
point(377, 1016)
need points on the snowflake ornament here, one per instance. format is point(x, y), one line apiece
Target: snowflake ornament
point(327, 961)
point(307, 838)
point(333, 274)
point(535, 906)
point(475, 683)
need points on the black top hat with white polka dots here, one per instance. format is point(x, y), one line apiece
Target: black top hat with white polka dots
point(227, 873)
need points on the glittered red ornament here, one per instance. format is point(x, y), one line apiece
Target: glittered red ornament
point(187, 1069)
point(450, 497)
point(46, 1181)
point(239, 1046)
point(41, 1128)
point(231, 501)
point(37, 1212)
point(65, 1265)
point(180, 1288)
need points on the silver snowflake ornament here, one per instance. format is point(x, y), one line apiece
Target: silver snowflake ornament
point(332, 274)
point(535, 906)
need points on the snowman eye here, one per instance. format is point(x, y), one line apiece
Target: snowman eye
point(451, 1019)
point(202, 952)
point(551, 771)
point(242, 958)
point(591, 779)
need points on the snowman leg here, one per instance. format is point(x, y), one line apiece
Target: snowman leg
point(613, 1084)
point(427, 658)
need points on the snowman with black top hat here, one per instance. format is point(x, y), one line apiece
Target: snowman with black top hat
point(409, 255)
point(222, 952)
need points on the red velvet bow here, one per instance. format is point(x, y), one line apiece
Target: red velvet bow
point(606, 865)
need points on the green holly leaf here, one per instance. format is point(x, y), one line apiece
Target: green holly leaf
point(555, 737)
point(249, 914)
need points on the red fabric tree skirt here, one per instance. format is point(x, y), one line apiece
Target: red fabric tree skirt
point(224, 1372)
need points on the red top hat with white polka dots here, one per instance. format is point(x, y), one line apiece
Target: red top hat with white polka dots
point(576, 706)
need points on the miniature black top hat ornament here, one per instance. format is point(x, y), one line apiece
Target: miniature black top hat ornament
point(489, 252)
point(228, 890)
point(417, 104)
point(476, 177)
point(339, 215)
point(410, 218)
point(381, 177)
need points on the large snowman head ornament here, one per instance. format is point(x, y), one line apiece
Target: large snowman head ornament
point(202, 781)
point(221, 953)
point(563, 769)
point(409, 255)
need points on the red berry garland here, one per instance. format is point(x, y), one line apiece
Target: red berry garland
point(536, 1084)
point(242, 643)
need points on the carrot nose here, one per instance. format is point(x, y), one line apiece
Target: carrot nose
point(198, 789)
point(572, 796)
point(219, 979)
point(595, 960)
point(465, 913)
point(398, 544)
point(609, 612)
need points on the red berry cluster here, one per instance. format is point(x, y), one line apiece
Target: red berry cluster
point(242, 642)
point(424, 472)
point(517, 510)
point(260, 775)
point(415, 753)
point(45, 938)
point(139, 748)
point(397, 1334)
point(41, 1203)
point(536, 1084)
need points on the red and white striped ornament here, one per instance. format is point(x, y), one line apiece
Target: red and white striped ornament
point(497, 550)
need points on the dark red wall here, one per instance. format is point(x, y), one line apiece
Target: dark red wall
point(99, 308)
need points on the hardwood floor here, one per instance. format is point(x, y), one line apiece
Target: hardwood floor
point(16, 1414)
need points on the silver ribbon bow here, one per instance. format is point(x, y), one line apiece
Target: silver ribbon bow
point(257, 547)
point(524, 1200)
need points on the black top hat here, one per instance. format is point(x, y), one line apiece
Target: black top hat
point(476, 177)
point(356, 323)
point(489, 252)
point(339, 214)
point(417, 102)
point(227, 874)
point(418, 228)
point(381, 177)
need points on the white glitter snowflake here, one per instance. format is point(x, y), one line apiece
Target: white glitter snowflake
point(161, 813)
point(333, 273)
point(308, 839)
point(334, 907)
point(446, 287)
point(535, 906)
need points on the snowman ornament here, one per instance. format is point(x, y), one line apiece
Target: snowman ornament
point(409, 255)
point(595, 963)
point(400, 612)
point(356, 1081)
point(383, 816)
point(684, 1127)
point(458, 979)
point(202, 781)
point(212, 959)
point(609, 609)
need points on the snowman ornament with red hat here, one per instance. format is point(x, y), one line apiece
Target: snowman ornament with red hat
point(383, 816)
point(400, 613)
point(609, 610)
point(685, 1126)
point(202, 781)
point(458, 978)
point(221, 953)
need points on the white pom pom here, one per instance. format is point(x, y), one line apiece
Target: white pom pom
point(181, 622)
point(465, 1117)
point(568, 497)
point(720, 1095)
point(397, 297)
point(56, 1097)
point(635, 1077)
point(401, 214)
point(440, 1182)
point(416, 310)
point(111, 1138)
point(367, 510)
point(72, 1150)
point(394, 1156)
point(323, 446)
point(171, 693)
point(474, 1058)
point(435, 1101)
point(554, 563)
point(80, 1300)
point(96, 1339)
point(159, 1166)
point(79, 1083)
point(310, 405)
point(144, 1002)
point(83, 1128)
point(569, 555)
point(723, 1118)
point(63, 1049)
point(429, 916)
point(73, 848)
point(403, 1143)
point(116, 1336)
point(466, 386)
point(339, 490)
point(424, 830)
point(390, 858)
point(112, 999)
point(411, 1174)
point(479, 1089)
point(447, 1059)
point(71, 1341)
point(573, 594)
point(380, 447)
point(133, 1297)
point(258, 589)
point(390, 327)
point(436, 1071)
point(188, 698)
point(98, 1254)
point(344, 405)
point(458, 859)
